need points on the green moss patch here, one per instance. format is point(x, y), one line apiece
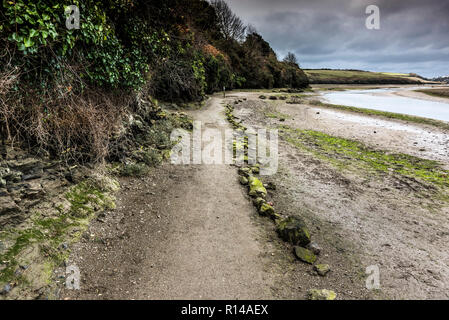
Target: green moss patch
point(40, 246)
point(350, 154)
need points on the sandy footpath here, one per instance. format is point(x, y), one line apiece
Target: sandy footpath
point(191, 232)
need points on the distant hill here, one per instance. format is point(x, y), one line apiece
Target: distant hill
point(331, 76)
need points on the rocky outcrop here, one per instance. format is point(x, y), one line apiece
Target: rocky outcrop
point(24, 182)
point(44, 208)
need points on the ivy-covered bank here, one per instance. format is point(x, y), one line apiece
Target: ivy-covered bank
point(63, 91)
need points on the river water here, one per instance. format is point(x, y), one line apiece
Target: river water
point(386, 99)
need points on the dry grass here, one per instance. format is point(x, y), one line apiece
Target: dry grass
point(59, 122)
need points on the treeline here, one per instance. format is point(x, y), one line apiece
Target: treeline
point(182, 49)
point(441, 79)
point(66, 88)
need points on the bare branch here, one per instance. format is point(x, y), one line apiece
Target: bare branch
point(230, 24)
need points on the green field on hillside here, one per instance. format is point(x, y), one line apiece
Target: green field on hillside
point(326, 76)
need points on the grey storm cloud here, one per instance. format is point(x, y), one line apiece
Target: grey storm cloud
point(414, 34)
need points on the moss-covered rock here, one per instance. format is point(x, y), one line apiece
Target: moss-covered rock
point(243, 180)
point(323, 294)
point(245, 172)
point(266, 210)
point(294, 230)
point(322, 269)
point(255, 169)
point(256, 188)
point(258, 202)
point(305, 255)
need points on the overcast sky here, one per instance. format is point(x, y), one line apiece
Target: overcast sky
point(413, 35)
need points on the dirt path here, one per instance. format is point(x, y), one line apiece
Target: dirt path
point(191, 232)
point(188, 233)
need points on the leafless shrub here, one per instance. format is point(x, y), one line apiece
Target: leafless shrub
point(75, 127)
point(291, 58)
point(7, 80)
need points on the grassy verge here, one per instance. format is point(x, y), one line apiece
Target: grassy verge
point(389, 115)
point(441, 93)
point(350, 154)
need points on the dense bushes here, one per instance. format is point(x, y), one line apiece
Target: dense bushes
point(66, 91)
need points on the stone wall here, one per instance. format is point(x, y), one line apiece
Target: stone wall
point(24, 182)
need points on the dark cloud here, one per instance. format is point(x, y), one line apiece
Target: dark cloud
point(414, 34)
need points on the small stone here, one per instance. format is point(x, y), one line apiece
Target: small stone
point(323, 294)
point(244, 172)
point(314, 247)
point(6, 289)
point(243, 180)
point(322, 269)
point(258, 202)
point(266, 210)
point(305, 255)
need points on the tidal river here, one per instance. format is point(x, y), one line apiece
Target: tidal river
point(391, 100)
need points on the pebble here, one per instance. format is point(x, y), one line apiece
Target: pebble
point(6, 289)
point(314, 247)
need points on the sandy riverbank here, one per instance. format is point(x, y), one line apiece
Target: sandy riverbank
point(389, 219)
